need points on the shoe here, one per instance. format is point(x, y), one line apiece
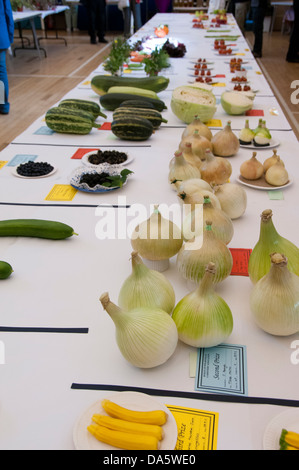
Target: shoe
point(294, 60)
point(257, 55)
point(93, 41)
point(103, 40)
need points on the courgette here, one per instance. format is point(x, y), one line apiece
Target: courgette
point(101, 83)
point(70, 121)
point(132, 128)
point(152, 115)
point(137, 104)
point(5, 270)
point(133, 91)
point(85, 105)
point(36, 228)
point(111, 101)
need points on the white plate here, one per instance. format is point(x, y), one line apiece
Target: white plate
point(83, 440)
point(262, 184)
point(273, 143)
point(86, 162)
point(15, 173)
point(289, 420)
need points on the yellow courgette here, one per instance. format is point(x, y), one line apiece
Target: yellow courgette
point(289, 438)
point(123, 440)
point(128, 426)
point(158, 417)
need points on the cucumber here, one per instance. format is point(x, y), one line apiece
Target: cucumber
point(101, 83)
point(70, 121)
point(111, 101)
point(37, 228)
point(133, 91)
point(132, 128)
point(85, 105)
point(152, 115)
point(5, 270)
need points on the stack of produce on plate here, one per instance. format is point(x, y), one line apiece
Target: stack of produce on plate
point(128, 429)
point(272, 171)
point(289, 440)
point(74, 116)
point(274, 271)
point(135, 104)
point(259, 137)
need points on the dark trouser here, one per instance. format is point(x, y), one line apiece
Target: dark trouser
point(4, 107)
point(258, 16)
point(294, 39)
point(136, 10)
point(96, 12)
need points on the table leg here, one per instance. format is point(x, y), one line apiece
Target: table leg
point(35, 42)
point(56, 32)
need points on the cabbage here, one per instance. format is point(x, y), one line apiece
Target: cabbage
point(235, 103)
point(188, 101)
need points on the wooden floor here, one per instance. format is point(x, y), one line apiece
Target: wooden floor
point(37, 83)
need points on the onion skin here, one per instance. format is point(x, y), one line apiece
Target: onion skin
point(225, 142)
point(232, 198)
point(146, 337)
point(203, 318)
point(274, 300)
point(199, 126)
point(214, 169)
point(157, 238)
point(270, 241)
point(252, 169)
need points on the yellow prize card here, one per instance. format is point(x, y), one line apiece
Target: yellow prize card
point(61, 192)
point(2, 163)
point(214, 123)
point(197, 429)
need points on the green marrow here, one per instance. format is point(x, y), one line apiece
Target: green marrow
point(137, 104)
point(37, 228)
point(5, 270)
point(101, 83)
point(70, 121)
point(152, 115)
point(111, 101)
point(132, 128)
point(85, 105)
point(133, 91)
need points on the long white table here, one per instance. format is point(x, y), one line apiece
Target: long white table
point(60, 350)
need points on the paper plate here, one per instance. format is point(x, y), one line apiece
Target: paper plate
point(15, 173)
point(87, 163)
point(288, 419)
point(83, 440)
point(273, 143)
point(262, 184)
point(84, 169)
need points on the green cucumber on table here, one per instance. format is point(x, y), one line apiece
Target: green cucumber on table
point(36, 228)
point(101, 83)
point(5, 270)
point(111, 101)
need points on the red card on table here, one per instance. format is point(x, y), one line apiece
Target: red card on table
point(240, 261)
point(81, 152)
point(255, 112)
point(219, 76)
point(105, 127)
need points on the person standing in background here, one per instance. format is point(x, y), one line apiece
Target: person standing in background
point(293, 51)
point(240, 10)
point(132, 7)
point(259, 10)
point(6, 39)
point(96, 14)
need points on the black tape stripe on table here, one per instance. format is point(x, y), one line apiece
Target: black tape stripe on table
point(191, 395)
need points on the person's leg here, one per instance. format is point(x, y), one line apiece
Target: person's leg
point(101, 20)
point(258, 15)
point(4, 88)
point(293, 50)
point(241, 10)
point(91, 18)
point(136, 15)
point(127, 21)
